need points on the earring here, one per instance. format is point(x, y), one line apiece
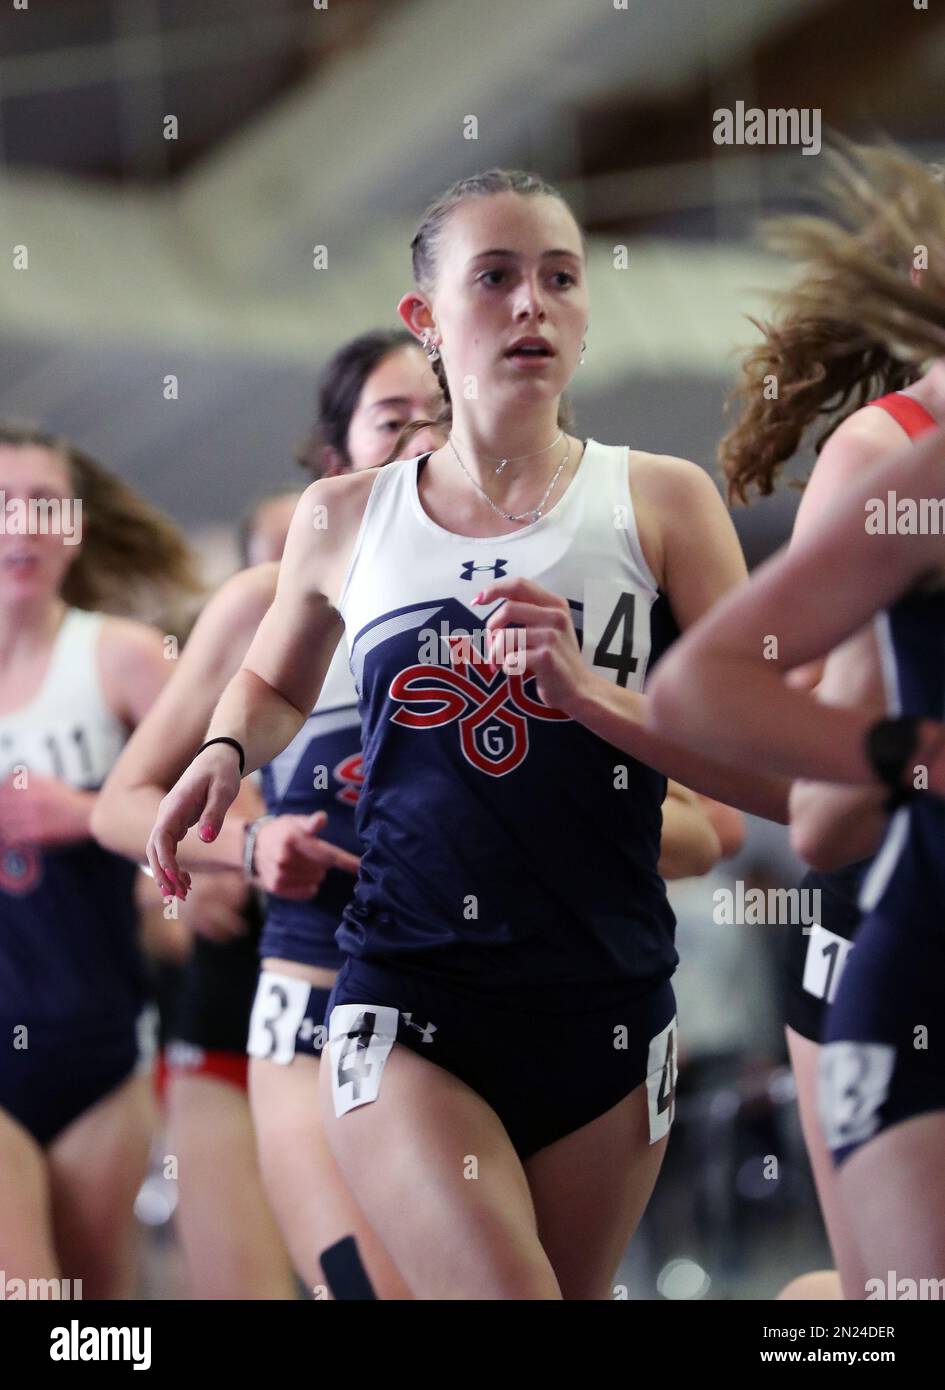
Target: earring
point(583, 350)
point(430, 348)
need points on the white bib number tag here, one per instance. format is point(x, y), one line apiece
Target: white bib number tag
point(616, 638)
point(278, 1010)
point(854, 1082)
point(823, 965)
point(360, 1037)
point(661, 1081)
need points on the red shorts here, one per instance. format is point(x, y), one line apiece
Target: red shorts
point(185, 1059)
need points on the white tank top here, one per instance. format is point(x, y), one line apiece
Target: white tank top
point(67, 730)
point(586, 548)
point(472, 786)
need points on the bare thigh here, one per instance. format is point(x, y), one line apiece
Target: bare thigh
point(805, 1061)
point(229, 1234)
point(817, 1285)
point(96, 1166)
point(26, 1238)
point(590, 1189)
point(308, 1194)
point(894, 1190)
point(436, 1175)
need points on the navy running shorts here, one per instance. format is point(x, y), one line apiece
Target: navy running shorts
point(883, 1057)
point(53, 1073)
point(814, 956)
point(544, 1073)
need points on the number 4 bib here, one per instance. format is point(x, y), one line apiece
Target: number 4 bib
point(616, 638)
point(360, 1037)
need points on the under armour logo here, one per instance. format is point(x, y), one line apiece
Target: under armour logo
point(470, 568)
point(427, 1032)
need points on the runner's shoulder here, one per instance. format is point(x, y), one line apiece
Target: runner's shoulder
point(337, 504)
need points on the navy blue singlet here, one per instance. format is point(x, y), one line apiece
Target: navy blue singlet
point(503, 842)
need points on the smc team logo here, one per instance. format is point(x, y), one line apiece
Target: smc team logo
point(20, 869)
point(350, 772)
point(490, 705)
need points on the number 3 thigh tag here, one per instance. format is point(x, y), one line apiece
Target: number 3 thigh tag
point(278, 1009)
point(360, 1037)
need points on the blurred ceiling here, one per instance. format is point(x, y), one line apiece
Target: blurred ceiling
point(85, 84)
point(303, 126)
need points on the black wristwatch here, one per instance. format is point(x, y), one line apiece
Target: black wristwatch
point(891, 746)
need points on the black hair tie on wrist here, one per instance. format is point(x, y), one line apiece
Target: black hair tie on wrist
point(223, 739)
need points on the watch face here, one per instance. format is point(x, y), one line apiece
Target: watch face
point(893, 741)
point(889, 742)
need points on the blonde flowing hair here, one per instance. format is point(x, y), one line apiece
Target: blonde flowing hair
point(853, 326)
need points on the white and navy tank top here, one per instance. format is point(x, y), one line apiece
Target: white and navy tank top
point(502, 842)
point(320, 770)
point(67, 916)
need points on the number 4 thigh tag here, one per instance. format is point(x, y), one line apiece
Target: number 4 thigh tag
point(661, 1081)
point(360, 1037)
point(615, 637)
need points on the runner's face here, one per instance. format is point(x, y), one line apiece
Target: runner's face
point(510, 266)
point(401, 388)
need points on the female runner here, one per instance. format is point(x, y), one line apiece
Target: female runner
point(370, 388)
point(876, 400)
point(75, 1118)
point(509, 943)
point(232, 1245)
point(882, 1080)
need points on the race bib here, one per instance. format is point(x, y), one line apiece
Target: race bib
point(616, 632)
point(278, 1010)
point(854, 1082)
point(824, 963)
point(661, 1081)
point(360, 1037)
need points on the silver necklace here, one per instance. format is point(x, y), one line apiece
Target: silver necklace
point(533, 512)
point(516, 457)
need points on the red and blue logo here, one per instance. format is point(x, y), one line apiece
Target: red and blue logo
point(350, 772)
point(490, 705)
